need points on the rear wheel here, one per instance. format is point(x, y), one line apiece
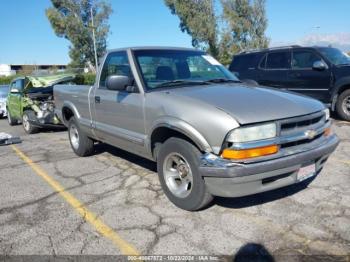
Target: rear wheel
point(27, 125)
point(177, 164)
point(81, 144)
point(10, 120)
point(343, 105)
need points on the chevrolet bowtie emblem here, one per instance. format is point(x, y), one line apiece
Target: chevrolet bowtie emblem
point(310, 134)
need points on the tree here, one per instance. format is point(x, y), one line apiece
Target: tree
point(71, 19)
point(240, 25)
point(197, 18)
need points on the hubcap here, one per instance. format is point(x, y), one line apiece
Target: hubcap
point(74, 136)
point(178, 175)
point(346, 105)
point(26, 123)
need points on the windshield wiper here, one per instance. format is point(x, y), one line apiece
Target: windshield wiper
point(222, 80)
point(180, 82)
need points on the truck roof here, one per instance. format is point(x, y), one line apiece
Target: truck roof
point(154, 48)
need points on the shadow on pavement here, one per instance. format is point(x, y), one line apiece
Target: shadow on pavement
point(253, 252)
point(261, 198)
point(237, 203)
point(137, 160)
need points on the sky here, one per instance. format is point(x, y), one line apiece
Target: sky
point(27, 37)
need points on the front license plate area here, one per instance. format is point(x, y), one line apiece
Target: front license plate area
point(306, 172)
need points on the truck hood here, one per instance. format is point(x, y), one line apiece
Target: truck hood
point(250, 104)
point(46, 81)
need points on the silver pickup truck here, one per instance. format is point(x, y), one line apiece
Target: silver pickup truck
point(210, 134)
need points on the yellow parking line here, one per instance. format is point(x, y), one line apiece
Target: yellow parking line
point(102, 228)
point(344, 122)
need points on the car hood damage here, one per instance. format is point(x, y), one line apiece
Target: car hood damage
point(38, 97)
point(238, 101)
point(47, 81)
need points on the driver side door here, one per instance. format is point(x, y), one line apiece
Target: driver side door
point(302, 78)
point(119, 114)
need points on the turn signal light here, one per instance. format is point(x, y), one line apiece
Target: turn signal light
point(327, 131)
point(230, 153)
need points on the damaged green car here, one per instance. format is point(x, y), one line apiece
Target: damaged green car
point(30, 101)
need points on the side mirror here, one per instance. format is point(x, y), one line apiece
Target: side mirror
point(117, 82)
point(14, 91)
point(319, 66)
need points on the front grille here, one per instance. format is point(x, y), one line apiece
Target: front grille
point(300, 124)
point(297, 127)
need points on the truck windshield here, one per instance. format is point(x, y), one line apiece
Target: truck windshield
point(336, 56)
point(169, 68)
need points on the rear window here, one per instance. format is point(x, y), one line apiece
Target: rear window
point(278, 60)
point(243, 62)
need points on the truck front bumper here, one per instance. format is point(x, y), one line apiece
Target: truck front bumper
point(228, 179)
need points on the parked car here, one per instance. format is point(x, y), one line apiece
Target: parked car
point(4, 89)
point(30, 102)
point(320, 72)
point(209, 133)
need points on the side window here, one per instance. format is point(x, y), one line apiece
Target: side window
point(304, 59)
point(115, 64)
point(278, 60)
point(19, 84)
point(243, 62)
point(12, 85)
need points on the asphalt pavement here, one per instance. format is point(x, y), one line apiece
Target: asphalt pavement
point(55, 203)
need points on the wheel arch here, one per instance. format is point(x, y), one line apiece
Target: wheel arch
point(162, 131)
point(342, 85)
point(68, 111)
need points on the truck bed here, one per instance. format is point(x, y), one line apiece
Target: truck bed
point(77, 95)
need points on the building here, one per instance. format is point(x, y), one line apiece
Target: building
point(13, 69)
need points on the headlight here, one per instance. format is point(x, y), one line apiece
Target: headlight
point(252, 133)
point(327, 113)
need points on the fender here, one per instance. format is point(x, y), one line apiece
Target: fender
point(344, 81)
point(181, 127)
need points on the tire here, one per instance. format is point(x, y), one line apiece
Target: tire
point(177, 164)
point(343, 105)
point(81, 144)
point(11, 121)
point(27, 126)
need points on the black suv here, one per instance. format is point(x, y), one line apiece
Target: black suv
point(320, 72)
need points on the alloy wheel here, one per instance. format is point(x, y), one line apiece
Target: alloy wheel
point(178, 175)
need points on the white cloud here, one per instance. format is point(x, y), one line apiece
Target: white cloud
point(338, 40)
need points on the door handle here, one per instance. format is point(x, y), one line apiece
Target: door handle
point(97, 99)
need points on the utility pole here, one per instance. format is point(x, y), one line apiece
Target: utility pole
point(93, 39)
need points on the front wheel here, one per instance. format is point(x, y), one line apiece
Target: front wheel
point(177, 165)
point(81, 144)
point(27, 125)
point(343, 105)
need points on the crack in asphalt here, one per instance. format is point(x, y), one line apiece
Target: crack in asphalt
point(162, 220)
